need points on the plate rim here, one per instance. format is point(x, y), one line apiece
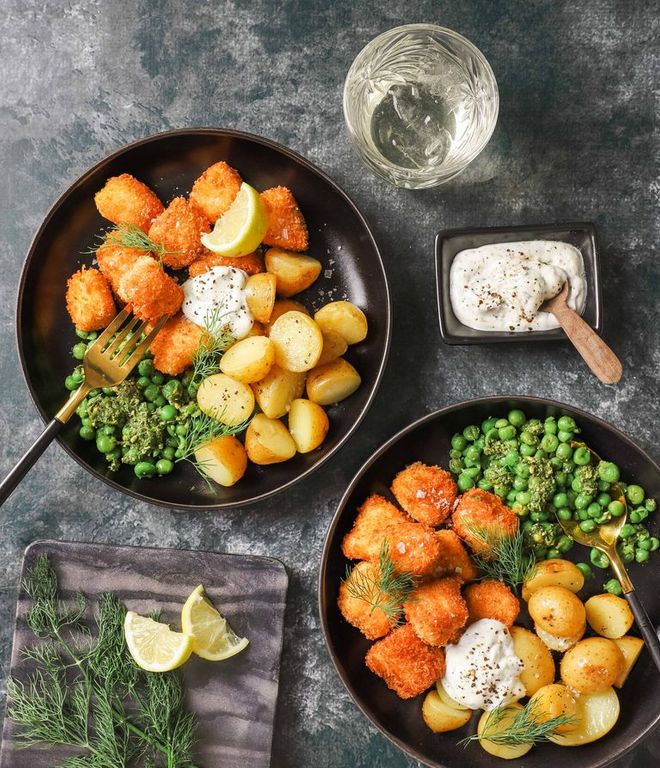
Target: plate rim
point(226, 133)
point(322, 600)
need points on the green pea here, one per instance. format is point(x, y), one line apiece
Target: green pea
point(582, 456)
point(472, 453)
point(603, 486)
point(616, 508)
point(458, 442)
point(553, 553)
point(646, 544)
point(160, 402)
point(564, 514)
point(143, 382)
point(511, 497)
point(566, 424)
point(167, 413)
point(582, 500)
point(144, 469)
point(650, 505)
point(173, 441)
point(528, 526)
point(465, 482)
point(549, 443)
point(564, 544)
point(539, 517)
point(507, 433)
point(510, 459)
point(588, 526)
point(87, 433)
point(455, 465)
point(527, 438)
point(560, 500)
point(586, 570)
point(603, 499)
point(523, 497)
point(641, 556)
point(628, 556)
point(516, 417)
point(151, 392)
point(105, 443)
point(522, 470)
point(70, 383)
point(145, 367)
point(168, 452)
point(582, 514)
point(519, 484)
point(635, 517)
point(599, 559)
point(627, 531)
point(158, 378)
point(550, 426)
point(594, 510)
point(576, 484)
point(471, 432)
point(560, 479)
point(613, 587)
point(501, 491)
point(635, 494)
point(79, 350)
point(608, 471)
point(487, 425)
point(527, 450)
point(479, 444)
point(454, 454)
point(564, 451)
point(164, 466)
point(472, 472)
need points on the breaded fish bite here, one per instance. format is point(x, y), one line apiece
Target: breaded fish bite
point(437, 611)
point(125, 200)
point(413, 548)
point(426, 493)
point(286, 225)
point(89, 300)
point(151, 292)
point(176, 344)
point(372, 621)
point(407, 665)
point(214, 191)
point(178, 230)
point(480, 517)
point(364, 540)
point(114, 260)
point(491, 599)
point(252, 263)
point(454, 558)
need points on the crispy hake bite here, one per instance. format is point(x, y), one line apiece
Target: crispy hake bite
point(363, 612)
point(437, 611)
point(426, 493)
point(413, 548)
point(286, 225)
point(150, 291)
point(491, 599)
point(364, 540)
point(176, 344)
point(114, 260)
point(252, 263)
point(124, 201)
point(454, 558)
point(214, 191)
point(178, 229)
point(481, 518)
point(407, 664)
point(89, 300)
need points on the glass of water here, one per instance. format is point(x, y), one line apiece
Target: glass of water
point(420, 103)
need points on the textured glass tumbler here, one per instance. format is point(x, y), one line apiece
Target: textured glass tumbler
point(420, 103)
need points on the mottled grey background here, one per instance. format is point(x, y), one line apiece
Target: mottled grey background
point(577, 139)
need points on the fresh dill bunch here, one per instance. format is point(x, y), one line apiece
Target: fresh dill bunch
point(130, 236)
point(387, 589)
point(524, 728)
point(507, 559)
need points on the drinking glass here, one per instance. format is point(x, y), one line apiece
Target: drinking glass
point(420, 103)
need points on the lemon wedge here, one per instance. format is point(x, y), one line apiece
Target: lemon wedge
point(240, 230)
point(212, 637)
point(154, 646)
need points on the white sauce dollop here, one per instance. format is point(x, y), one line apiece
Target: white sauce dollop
point(216, 300)
point(482, 669)
point(500, 287)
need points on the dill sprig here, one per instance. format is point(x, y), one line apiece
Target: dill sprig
point(202, 428)
point(212, 345)
point(507, 559)
point(524, 728)
point(86, 692)
point(130, 236)
point(386, 589)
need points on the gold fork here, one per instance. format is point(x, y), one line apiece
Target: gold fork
point(106, 363)
point(604, 538)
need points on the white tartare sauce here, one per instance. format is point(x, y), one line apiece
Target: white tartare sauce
point(216, 300)
point(482, 669)
point(500, 287)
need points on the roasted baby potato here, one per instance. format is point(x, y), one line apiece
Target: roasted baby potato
point(505, 751)
point(552, 701)
point(557, 611)
point(249, 359)
point(345, 319)
point(308, 424)
point(223, 459)
point(440, 716)
point(592, 666)
point(89, 300)
point(276, 391)
point(178, 229)
point(553, 573)
point(225, 399)
point(126, 201)
point(630, 648)
point(260, 295)
point(332, 382)
point(282, 306)
point(334, 346)
point(298, 341)
point(448, 699)
point(596, 714)
point(293, 271)
point(539, 666)
point(267, 441)
point(214, 191)
point(609, 615)
point(286, 225)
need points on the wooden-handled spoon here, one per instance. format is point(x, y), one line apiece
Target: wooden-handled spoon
point(595, 352)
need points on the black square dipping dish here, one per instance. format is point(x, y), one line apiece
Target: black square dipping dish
point(448, 243)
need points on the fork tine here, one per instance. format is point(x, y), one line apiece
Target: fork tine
point(139, 351)
point(113, 347)
point(131, 344)
point(113, 327)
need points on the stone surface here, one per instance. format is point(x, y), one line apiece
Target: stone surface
point(576, 139)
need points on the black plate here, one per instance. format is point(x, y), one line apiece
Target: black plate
point(401, 721)
point(169, 163)
point(448, 243)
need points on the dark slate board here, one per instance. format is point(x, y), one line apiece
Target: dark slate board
point(234, 700)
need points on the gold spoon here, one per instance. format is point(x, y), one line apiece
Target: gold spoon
point(605, 539)
point(594, 351)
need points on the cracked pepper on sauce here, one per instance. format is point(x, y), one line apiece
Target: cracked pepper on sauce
point(216, 300)
point(500, 286)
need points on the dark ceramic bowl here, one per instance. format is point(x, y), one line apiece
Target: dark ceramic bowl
point(450, 242)
point(169, 163)
point(401, 721)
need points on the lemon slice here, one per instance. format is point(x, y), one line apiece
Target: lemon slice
point(154, 646)
point(212, 637)
point(241, 228)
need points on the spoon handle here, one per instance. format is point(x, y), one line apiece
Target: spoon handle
point(595, 352)
point(645, 626)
